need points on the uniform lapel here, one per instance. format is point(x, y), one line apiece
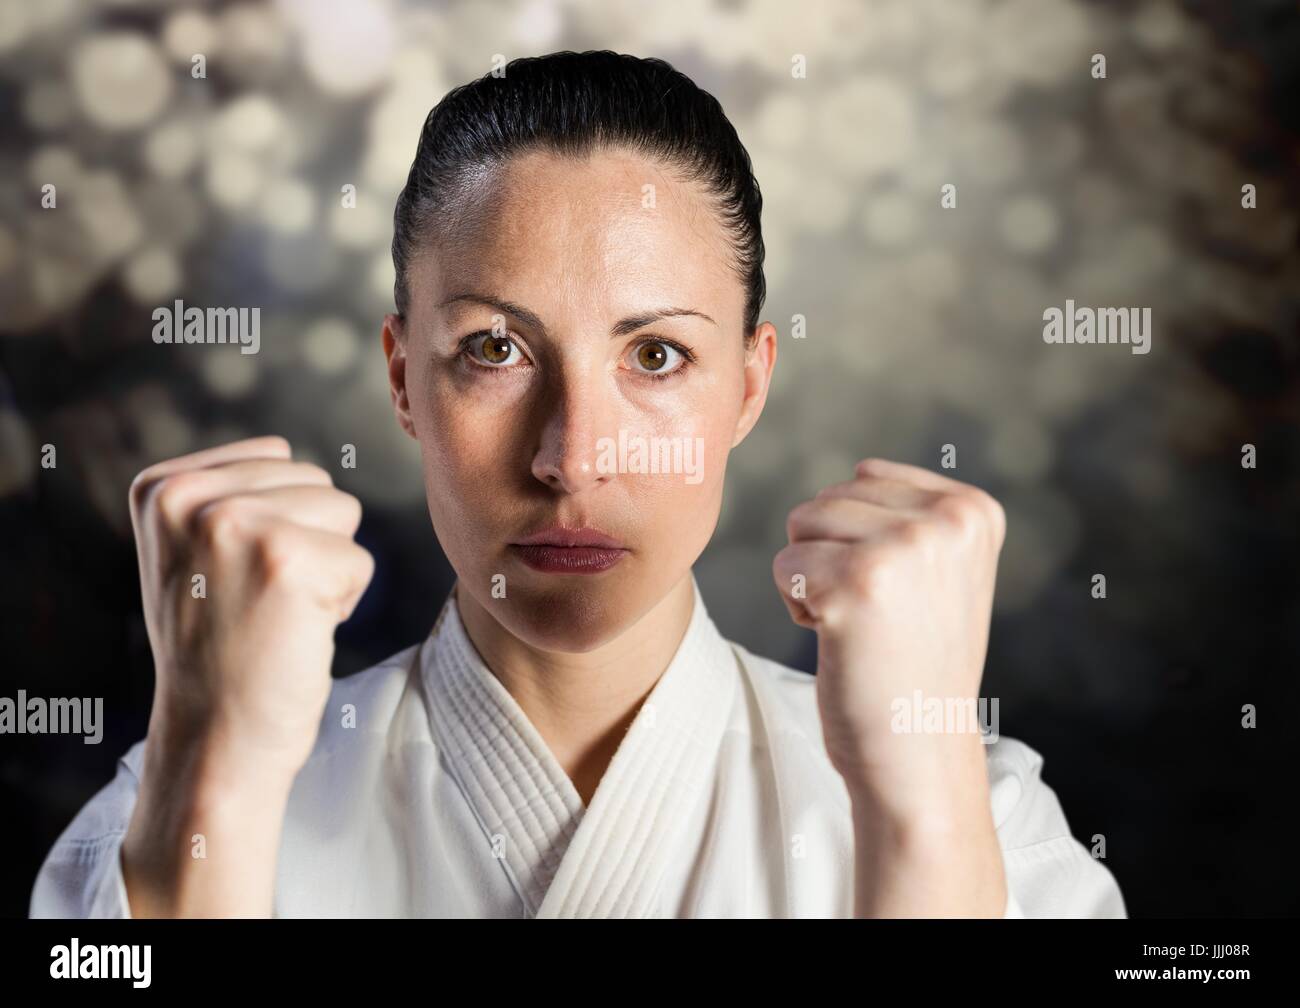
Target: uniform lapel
point(609, 859)
point(616, 860)
point(523, 799)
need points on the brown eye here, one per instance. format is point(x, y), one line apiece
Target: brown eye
point(496, 349)
point(652, 355)
point(493, 351)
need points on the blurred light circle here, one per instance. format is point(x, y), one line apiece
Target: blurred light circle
point(16, 23)
point(540, 21)
point(824, 206)
point(54, 164)
point(1059, 387)
point(188, 33)
point(867, 126)
point(415, 65)
point(1014, 295)
point(933, 274)
point(989, 150)
point(120, 79)
point(330, 345)
point(782, 121)
point(171, 149)
point(162, 431)
point(1029, 224)
point(1159, 25)
point(823, 199)
point(174, 213)
point(361, 226)
point(152, 274)
point(1059, 147)
point(288, 206)
point(106, 214)
point(347, 50)
point(732, 35)
point(57, 281)
point(228, 372)
point(232, 179)
point(253, 41)
point(395, 123)
point(1020, 450)
point(1144, 249)
point(249, 123)
point(1039, 41)
point(951, 70)
point(47, 105)
point(301, 263)
point(889, 219)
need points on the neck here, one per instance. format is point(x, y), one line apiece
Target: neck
point(582, 704)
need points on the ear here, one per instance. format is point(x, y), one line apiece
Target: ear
point(395, 351)
point(760, 359)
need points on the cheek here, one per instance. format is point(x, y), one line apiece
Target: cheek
point(459, 422)
point(701, 418)
point(466, 450)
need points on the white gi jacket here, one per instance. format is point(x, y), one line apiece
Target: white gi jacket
point(443, 801)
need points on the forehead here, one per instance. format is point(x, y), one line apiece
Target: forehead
point(605, 231)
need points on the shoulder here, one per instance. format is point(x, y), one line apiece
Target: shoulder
point(787, 696)
point(367, 702)
point(380, 685)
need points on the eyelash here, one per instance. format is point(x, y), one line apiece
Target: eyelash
point(687, 353)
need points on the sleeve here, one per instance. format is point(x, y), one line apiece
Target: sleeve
point(81, 876)
point(1049, 872)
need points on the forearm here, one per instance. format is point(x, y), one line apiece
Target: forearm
point(934, 858)
point(204, 837)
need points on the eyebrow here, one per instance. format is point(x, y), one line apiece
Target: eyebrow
point(621, 328)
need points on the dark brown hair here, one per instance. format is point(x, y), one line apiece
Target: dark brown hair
point(573, 103)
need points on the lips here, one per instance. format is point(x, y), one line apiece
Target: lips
point(559, 550)
point(557, 535)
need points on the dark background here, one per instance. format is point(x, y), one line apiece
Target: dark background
point(924, 329)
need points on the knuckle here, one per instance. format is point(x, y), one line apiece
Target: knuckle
point(353, 504)
point(221, 522)
point(959, 511)
point(365, 570)
point(169, 495)
point(274, 554)
point(997, 515)
point(911, 533)
point(140, 485)
point(314, 473)
point(798, 517)
point(866, 572)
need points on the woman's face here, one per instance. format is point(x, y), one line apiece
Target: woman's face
point(577, 326)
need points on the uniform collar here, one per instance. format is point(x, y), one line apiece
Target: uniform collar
point(605, 860)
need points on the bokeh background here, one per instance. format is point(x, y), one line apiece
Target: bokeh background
point(923, 328)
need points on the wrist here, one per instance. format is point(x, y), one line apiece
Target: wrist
point(204, 837)
point(207, 752)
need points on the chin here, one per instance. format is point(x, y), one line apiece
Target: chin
point(577, 614)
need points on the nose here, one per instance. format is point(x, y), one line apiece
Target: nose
point(572, 419)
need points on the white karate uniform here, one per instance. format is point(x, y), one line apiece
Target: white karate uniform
point(442, 800)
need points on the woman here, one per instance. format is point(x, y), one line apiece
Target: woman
point(576, 348)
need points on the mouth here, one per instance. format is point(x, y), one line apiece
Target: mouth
point(559, 550)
